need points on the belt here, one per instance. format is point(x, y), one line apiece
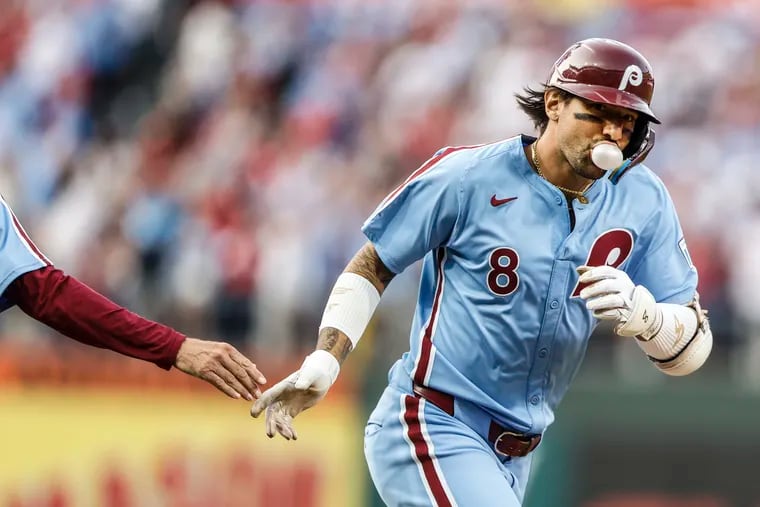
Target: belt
point(505, 441)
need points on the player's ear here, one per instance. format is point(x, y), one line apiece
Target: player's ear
point(553, 100)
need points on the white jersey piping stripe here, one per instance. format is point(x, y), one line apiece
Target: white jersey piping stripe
point(22, 235)
point(424, 362)
point(429, 164)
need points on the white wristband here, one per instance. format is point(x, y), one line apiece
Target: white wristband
point(318, 364)
point(350, 306)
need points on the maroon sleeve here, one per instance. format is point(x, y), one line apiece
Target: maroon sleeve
point(75, 310)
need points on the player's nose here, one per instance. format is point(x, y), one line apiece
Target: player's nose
point(613, 131)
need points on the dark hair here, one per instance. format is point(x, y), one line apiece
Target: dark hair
point(533, 104)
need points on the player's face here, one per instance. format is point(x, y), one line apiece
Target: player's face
point(583, 124)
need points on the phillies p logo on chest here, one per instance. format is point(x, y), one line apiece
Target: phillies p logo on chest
point(611, 248)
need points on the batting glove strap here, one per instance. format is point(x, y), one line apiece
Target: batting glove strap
point(678, 327)
point(644, 318)
point(318, 371)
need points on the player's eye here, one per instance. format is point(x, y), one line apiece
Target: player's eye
point(588, 117)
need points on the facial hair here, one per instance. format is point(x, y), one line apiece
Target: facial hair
point(580, 161)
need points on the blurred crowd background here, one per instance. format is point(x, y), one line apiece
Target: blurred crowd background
point(209, 163)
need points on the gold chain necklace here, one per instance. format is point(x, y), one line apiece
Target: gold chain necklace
point(577, 193)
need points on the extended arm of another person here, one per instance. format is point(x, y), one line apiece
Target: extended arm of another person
point(676, 338)
point(349, 309)
point(75, 310)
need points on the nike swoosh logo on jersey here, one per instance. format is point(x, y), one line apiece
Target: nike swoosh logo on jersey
point(498, 202)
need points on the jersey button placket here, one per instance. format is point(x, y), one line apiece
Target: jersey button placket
point(535, 399)
point(543, 353)
point(554, 304)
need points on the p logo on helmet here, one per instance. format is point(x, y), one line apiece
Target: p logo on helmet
point(632, 75)
point(606, 71)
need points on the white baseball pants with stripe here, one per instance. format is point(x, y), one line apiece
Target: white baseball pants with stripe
point(418, 455)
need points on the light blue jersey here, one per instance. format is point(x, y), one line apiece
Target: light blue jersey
point(498, 323)
point(18, 255)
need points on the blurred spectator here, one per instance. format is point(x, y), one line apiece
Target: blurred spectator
point(182, 156)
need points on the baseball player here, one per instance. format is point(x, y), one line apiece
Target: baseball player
point(527, 244)
point(31, 282)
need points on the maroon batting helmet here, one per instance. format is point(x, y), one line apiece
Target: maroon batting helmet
point(606, 71)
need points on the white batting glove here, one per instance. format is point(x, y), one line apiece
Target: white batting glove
point(611, 295)
point(302, 389)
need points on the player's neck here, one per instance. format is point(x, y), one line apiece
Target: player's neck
point(549, 163)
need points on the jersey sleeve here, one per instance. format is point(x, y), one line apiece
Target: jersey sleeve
point(420, 214)
point(75, 310)
point(18, 255)
point(665, 267)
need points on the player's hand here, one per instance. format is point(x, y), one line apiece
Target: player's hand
point(300, 390)
point(609, 292)
point(611, 295)
point(221, 365)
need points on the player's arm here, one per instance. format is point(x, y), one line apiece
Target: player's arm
point(352, 302)
point(676, 338)
point(70, 307)
point(75, 310)
point(349, 308)
point(417, 217)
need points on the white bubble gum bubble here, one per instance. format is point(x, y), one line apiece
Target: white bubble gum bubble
point(606, 156)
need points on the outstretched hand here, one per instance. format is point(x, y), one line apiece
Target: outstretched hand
point(300, 390)
point(221, 365)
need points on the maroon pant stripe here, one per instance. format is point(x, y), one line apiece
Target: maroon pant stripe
point(422, 451)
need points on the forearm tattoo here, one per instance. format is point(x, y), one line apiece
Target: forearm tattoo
point(335, 342)
point(368, 264)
